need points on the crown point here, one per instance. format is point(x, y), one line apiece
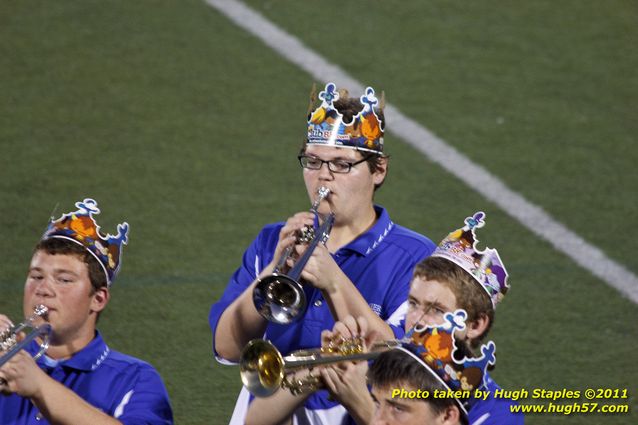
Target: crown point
point(81, 227)
point(329, 95)
point(88, 206)
point(476, 221)
point(485, 265)
point(327, 127)
point(122, 232)
point(369, 100)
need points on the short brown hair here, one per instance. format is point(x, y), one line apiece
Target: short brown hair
point(59, 246)
point(397, 368)
point(470, 296)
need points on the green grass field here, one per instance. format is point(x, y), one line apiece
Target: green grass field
point(186, 126)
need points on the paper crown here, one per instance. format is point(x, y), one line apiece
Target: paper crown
point(326, 126)
point(80, 227)
point(434, 346)
point(485, 266)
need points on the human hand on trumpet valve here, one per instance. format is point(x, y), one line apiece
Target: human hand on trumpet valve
point(346, 381)
point(298, 232)
point(18, 370)
point(264, 369)
point(335, 346)
point(279, 295)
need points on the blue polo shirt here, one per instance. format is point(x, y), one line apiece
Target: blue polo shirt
point(493, 411)
point(379, 263)
point(119, 385)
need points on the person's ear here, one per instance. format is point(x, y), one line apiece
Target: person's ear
point(477, 327)
point(380, 171)
point(100, 299)
point(450, 416)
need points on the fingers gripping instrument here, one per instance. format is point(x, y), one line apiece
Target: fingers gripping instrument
point(280, 297)
point(9, 344)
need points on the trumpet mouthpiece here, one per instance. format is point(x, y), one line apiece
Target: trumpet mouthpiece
point(323, 192)
point(40, 310)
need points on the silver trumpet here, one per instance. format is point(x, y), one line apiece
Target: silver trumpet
point(9, 345)
point(280, 297)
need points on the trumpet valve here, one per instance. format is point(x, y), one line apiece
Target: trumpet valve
point(305, 235)
point(352, 346)
point(345, 346)
point(7, 340)
point(5, 333)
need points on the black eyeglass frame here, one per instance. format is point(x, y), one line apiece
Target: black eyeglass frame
point(329, 163)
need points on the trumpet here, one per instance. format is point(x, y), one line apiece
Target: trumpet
point(280, 297)
point(263, 369)
point(9, 344)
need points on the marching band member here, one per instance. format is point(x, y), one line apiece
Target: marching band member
point(429, 380)
point(364, 269)
point(79, 380)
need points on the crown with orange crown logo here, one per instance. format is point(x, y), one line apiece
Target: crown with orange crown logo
point(435, 347)
point(80, 227)
point(326, 126)
point(485, 266)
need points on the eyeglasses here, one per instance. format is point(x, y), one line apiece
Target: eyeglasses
point(336, 165)
point(432, 309)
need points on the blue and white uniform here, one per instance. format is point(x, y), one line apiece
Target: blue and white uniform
point(493, 411)
point(121, 386)
point(379, 263)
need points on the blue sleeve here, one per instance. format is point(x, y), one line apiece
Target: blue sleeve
point(397, 295)
point(395, 300)
point(258, 254)
point(494, 410)
point(146, 403)
point(398, 331)
point(499, 413)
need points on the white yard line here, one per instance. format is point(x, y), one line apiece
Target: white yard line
point(475, 176)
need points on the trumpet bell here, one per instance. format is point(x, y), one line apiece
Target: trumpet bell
point(279, 298)
point(261, 368)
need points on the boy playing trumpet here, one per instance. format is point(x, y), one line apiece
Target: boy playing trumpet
point(79, 380)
